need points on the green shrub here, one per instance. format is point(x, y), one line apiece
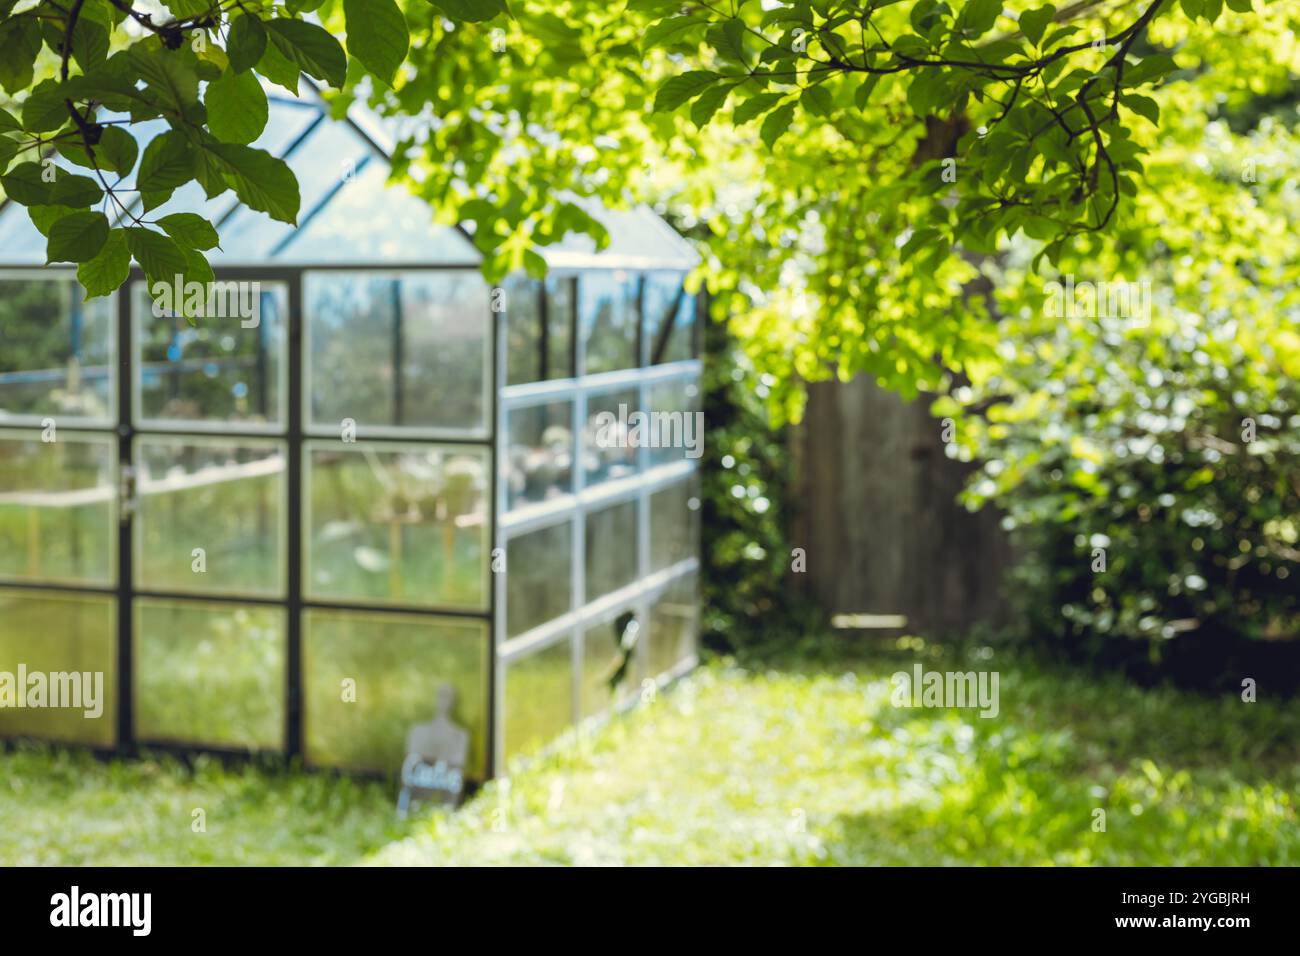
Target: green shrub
point(1167, 448)
point(746, 483)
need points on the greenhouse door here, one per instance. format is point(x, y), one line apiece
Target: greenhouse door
point(205, 553)
point(144, 522)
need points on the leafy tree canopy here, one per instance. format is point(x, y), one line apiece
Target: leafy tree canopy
point(883, 187)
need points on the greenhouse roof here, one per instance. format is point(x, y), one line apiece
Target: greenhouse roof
point(351, 215)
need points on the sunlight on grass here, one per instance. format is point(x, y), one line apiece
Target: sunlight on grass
point(806, 764)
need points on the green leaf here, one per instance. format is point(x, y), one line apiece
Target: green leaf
point(728, 38)
point(709, 102)
point(77, 237)
point(168, 162)
point(246, 43)
point(8, 150)
point(303, 6)
point(377, 36)
point(89, 44)
point(279, 69)
point(197, 267)
point(682, 87)
point(260, 180)
point(45, 108)
point(8, 122)
point(470, 11)
point(1151, 67)
point(170, 73)
point(237, 107)
point(667, 32)
point(1144, 106)
point(117, 150)
point(755, 107)
point(311, 48)
point(190, 230)
point(106, 272)
point(159, 257)
point(816, 100)
point(776, 124)
point(1034, 22)
point(978, 16)
point(38, 184)
point(863, 92)
point(20, 42)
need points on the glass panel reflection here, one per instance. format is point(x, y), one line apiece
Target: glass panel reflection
point(609, 320)
point(540, 462)
point(669, 318)
point(539, 698)
point(210, 516)
point(611, 537)
point(393, 665)
point(609, 445)
point(674, 523)
point(62, 633)
point(674, 625)
point(679, 434)
point(211, 674)
point(609, 672)
point(407, 351)
point(57, 508)
point(216, 369)
point(538, 577)
point(56, 351)
point(408, 526)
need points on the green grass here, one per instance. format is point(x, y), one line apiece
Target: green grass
point(805, 762)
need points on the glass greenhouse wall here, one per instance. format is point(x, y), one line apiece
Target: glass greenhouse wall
point(391, 480)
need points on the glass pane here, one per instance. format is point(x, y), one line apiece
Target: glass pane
point(669, 318)
point(609, 676)
point(226, 367)
point(679, 426)
point(609, 447)
point(369, 677)
point(524, 330)
point(539, 576)
point(61, 634)
point(210, 674)
point(611, 549)
point(408, 351)
point(56, 352)
point(540, 462)
point(57, 508)
point(561, 317)
point(374, 221)
point(210, 516)
point(674, 523)
point(408, 526)
point(674, 624)
point(539, 698)
point(609, 320)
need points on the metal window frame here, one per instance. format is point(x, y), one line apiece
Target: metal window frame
point(575, 506)
point(297, 439)
point(294, 439)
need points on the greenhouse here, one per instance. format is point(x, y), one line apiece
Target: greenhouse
point(283, 530)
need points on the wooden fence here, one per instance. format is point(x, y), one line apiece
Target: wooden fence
point(877, 515)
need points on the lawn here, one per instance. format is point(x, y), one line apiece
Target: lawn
point(798, 760)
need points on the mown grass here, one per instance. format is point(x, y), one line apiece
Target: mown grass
point(801, 760)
